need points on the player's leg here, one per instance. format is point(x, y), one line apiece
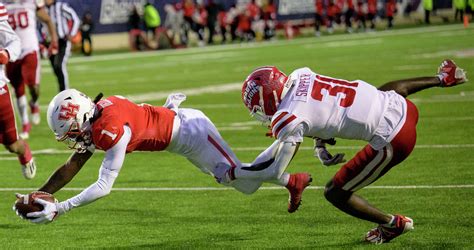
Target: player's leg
point(9, 136)
point(30, 71)
point(59, 62)
point(448, 75)
point(15, 75)
point(365, 168)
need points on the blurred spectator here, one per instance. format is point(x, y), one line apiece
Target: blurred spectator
point(174, 24)
point(460, 6)
point(200, 18)
point(193, 20)
point(371, 13)
point(331, 14)
point(212, 11)
point(349, 15)
point(318, 16)
point(233, 20)
point(428, 6)
point(244, 26)
point(222, 18)
point(87, 25)
point(390, 10)
point(361, 14)
point(470, 8)
point(269, 17)
point(137, 37)
point(152, 19)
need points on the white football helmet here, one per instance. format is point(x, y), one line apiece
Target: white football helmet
point(68, 117)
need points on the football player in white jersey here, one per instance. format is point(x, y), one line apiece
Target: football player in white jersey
point(307, 104)
point(22, 15)
point(10, 49)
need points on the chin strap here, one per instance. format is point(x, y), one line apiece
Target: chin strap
point(98, 97)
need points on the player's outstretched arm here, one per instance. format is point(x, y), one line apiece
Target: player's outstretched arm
point(409, 86)
point(64, 174)
point(108, 172)
point(448, 75)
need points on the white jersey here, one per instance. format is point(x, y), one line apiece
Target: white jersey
point(22, 19)
point(9, 41)
point(325, 107)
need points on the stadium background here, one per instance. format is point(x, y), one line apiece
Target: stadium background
point(162, 201)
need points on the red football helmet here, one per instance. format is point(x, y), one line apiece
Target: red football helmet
point(263, 91)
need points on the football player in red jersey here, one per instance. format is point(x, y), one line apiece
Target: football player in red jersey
point(25, 70)
point(10, 49)
point(307, 104)
point(119, 126)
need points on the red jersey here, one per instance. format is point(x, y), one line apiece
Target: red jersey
point(319, 7)
point(151, 126)
point(372, 6)
point(188, 9)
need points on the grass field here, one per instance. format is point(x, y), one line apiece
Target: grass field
point(435, 186)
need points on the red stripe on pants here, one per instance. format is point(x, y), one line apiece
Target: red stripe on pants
point(402, 145)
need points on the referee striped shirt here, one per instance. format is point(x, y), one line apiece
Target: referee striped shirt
point(65, 18)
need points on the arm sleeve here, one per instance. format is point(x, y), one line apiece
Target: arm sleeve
point(109, 170)
point(284, 127)
point(10, 41)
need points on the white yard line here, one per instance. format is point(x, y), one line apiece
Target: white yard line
point(155, 189)
point(51, 151)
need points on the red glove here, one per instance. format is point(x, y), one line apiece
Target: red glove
point(450, 74)
point(4, 56)
point(53, 48)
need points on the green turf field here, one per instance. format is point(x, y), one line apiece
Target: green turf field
point(435, 186)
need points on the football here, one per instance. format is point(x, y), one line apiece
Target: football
point(26, 204)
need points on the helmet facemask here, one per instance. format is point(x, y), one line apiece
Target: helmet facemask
point(78, 138)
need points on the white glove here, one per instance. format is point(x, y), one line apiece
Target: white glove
point(19, 196)
point(49, 213)
point(324, 156)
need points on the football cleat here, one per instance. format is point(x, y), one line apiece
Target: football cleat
point(450, 74)
point(29, 169)
point(35, 113)
point(26, 128)
point(296, 185)
point(384, 234)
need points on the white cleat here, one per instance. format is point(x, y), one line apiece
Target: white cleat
point(29, 169)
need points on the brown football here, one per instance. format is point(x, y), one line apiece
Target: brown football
point(26, 204)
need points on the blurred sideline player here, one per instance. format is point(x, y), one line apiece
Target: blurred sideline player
point(26, 70)
point(67, 25)
point(10, 49)
point(307, 104)
point(119, 126)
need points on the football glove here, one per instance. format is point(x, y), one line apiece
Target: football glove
point(323, 154)
point(4, 56)
point(49, 213)
point(450, 74)
point(19, 196)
